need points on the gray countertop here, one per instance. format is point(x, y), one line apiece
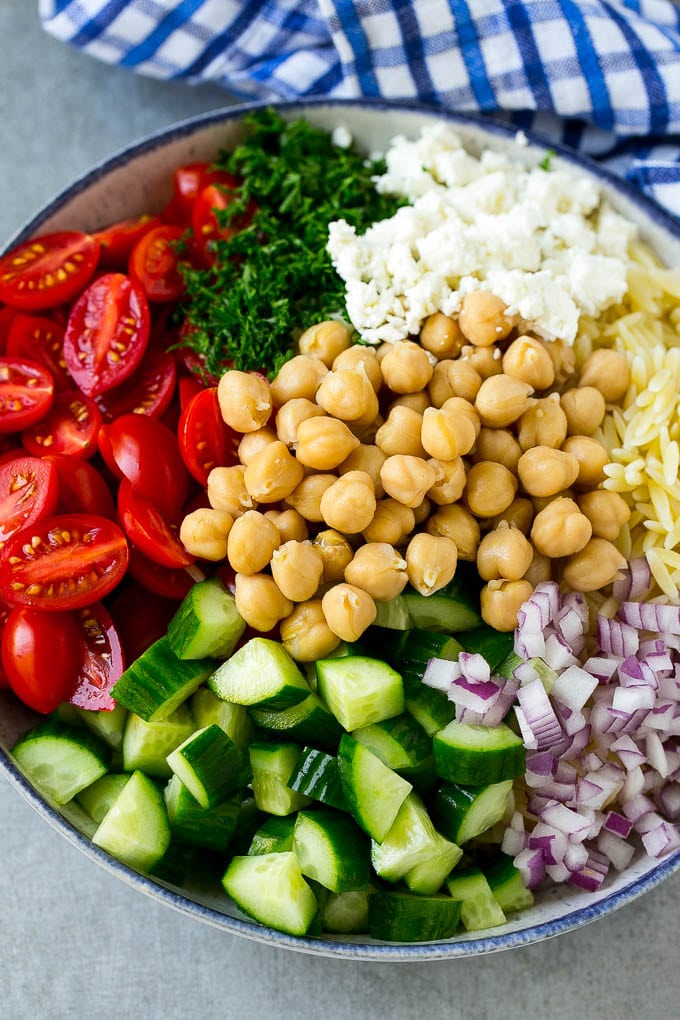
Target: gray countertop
point(76, 942)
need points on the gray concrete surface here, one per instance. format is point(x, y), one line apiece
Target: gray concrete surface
point(77, 944)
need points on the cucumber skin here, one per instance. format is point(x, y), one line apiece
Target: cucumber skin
point(210, 829)
point(348, 752)
point(451, 805)
point(405, 917)
point(348, 845)
point(275, 836)
point(145, 687)
point(469, 766)
point(307, 722)
point(183, 627)
point(51, 729)
point(316, 774)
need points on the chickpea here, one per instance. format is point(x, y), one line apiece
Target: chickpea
point(366, 433)
point(400, 433)
point(291, 415)
point(441, 336)
point(204, 533)
point(540, 569)
point(306, 497)
point(453, 379)
point(584, 408)
point(245, 400)
point(348, 611)
point(486, 361)
point(609, 372)
point(391, 522)
point(504, 553)
point(594, 566)
point(406, 368)
point(259, 601)
point(519, 514)
point(591, 457)
point(378, 569)
point(501, 601)
point(348, 395)
point(459, 405)
point(431, 562)
point(290, 524)
point(349, 504)
point(563, 358)
point(323, 443)
point(299, 377)
point(252, 442)
point(544, 424)
point(501, 400)
point(458, 524)
point(227, 490)
point(526, 359)
point(369, 458)
point(325, 340)
point(273, 473)
point(252, 540)
point(482, 318)
point(447, 433)
point(336, 554)
point(541, 502)
point(297, 568)
point(606, 511)
point(306, 635)
point(498, 445)
point(407, 479)
point(360, 357)
point(490, 489)
point(545, 472)
point(422, 511)
point(416, 401)
point(450, 483)
point(560, 529)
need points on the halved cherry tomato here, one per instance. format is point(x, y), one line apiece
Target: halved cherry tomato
point(82, 490)
point(26, 393)
point(107, 333)
point(149, 391)
point(104, 447)
point(42, 340)
point(189, 386)
point(48, 270)
point(70, 426)
point(102, 661)
point(5, 610)
point(118, 240)
point(146, 452)
point(149, 530)
point(205, 440)
point(141, 617)
point(40, 655)
point(29, 490)
point(6, 316)
point(205, 219)
point(189, 180)
point(164, 581)
point(154, 263)
point(63, 562)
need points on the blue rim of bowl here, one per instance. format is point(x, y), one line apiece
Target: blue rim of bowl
point(370, 951)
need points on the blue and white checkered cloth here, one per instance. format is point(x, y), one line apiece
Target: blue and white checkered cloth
point(600, 75)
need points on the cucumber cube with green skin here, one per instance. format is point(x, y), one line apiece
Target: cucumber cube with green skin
point(374, 792)
point(61, 760)
point(107, 725)
point(478, 755)
point(316, 774)
point(275, 836)
point(400, 742)
point(307, 722)
point(97, 798)
point(359, 690)
point(411, 840)
point(210, 828)
point(272, 766)
point(207, 623)
point(210, 765)
point(260, 673)
point(430, 708)
point(271, 889)
point(331, 850)
point(157, 682)
point(136, 829)
point(428, 877)
point(146, 745)
point(402, 917)
point(480, 908)
point(346, 913)
point(207, 708)
point(505, 882)
point(463, 812)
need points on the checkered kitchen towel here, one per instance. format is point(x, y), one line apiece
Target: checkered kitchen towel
point(600, 75)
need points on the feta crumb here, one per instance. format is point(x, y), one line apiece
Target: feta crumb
point(521, 139)
point(341, 137)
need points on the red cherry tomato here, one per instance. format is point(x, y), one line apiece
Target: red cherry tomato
point(149, 530)
point(102, 661)
point(146, 452)
point(82, 490)
point(7, 315)
point(141, 617)
point(164, 581)
point(189, 180)
point(5, 610)
point(63, 562)
point(154, 263)
point(48, 270)
point(149, 391)
point(26, 393)
point(104, 447)
point(42, 340)
point(29, 489)
point(70, 426)
point(107, 333)
point(188, 386)
point(205, 440)
point(207, 224)
point(117, 241)
point(41, 655)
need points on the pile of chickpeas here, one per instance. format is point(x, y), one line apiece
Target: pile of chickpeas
point(364, 469)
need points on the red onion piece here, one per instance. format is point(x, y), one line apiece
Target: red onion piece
point(574, 687)
point(618, 824)
point(440, 674)
point(615, 849)
point(539, 715)
point(531, 866)
point(652, 616)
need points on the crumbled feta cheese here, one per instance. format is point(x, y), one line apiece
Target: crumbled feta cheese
point(341, 137)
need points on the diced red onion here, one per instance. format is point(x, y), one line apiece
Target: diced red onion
point(567, 821)
point(558, 652)
point(604, 668)
point(630, 699)
point(552, 842)
point(593, 874)
point(633, 785)
point(634, 582)
point(618, 824)
point(656, 756)
point(559, 873)
point(615, 637)
point(628, 751)
point(531, 865)
point(661, 840)
point(661, 716)
point(440, 674)
point(513, 842)
point(669, 800)
point(652, 616)
point(527, 734)
point(636, 807)
point(617, 850)
point(575, 857)
point(574, 687)
point(632, 671)
point(539, 715)
point(496, 713)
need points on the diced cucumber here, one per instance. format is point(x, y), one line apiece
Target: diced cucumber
point(399, 742)
point(403, 917)
point(331, 850)
point(107, 725)
point(505, 882)
point(463, 812)
point(479, 907)
point(359, 690)
point(451, 609)
point(207, 708)
point(98, 798)
point(429, 876)
point(146, 745)
point(373, 792)
point(420, 646)
point(429, 707)
point(316, 774)
point(346, 913)
point(207, 623)
point(271, 889)
point(275, 836)
point(61, 760)
point(393, 614)
point(494, 645)
point(249, 820)
point(210, 828)
point(381, 643)
point(272, 766)
point(411, 840)
point(507, 667)
point(176, 863)
point(307, 722)
point(136, 829)
point(210, 765)
point(157, 683)
point(478, 755)
point(260, 673)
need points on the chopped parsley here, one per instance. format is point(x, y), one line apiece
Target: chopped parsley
point(274, 278)
point(545, 163)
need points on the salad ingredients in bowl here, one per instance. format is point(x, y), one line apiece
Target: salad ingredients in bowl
point(346, 489)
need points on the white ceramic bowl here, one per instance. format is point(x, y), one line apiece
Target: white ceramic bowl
point(138, 180)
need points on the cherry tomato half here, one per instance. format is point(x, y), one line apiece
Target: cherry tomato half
point(48, 270)
point(189, 180)
point(164, 581)
point(26, 393)
point(118, 240)
point(70, 426)
point(154, 263)
point(107, 333)
point(146, 452)
point(5, 610)
point(149, 391)
point(102, 661)
point(205, 219)
point(29, 489)
point(40, 339)
point(7, 315)
point(82, 490)
point(188, 386)
point(205, 440)
point(63, 562)
point(41, 654)
point(149, 530)
point(141, 617)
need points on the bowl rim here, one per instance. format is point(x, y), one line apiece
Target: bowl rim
point(174, 898)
